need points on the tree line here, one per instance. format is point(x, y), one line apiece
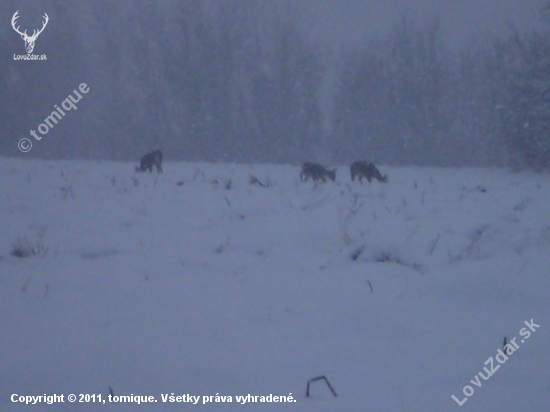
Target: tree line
point(238, 81)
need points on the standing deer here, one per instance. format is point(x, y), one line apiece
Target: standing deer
point(316, 172)
point(151, 159)
point(29, 40)
point(368, 170)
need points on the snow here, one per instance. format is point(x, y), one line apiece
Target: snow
point(151, 284)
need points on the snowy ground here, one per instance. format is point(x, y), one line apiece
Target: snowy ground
point(197, 282)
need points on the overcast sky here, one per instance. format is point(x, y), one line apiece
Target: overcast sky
point(347, 21)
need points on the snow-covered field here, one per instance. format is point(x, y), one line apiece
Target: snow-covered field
point(197, 282)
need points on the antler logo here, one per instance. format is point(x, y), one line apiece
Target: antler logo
point(29, 40)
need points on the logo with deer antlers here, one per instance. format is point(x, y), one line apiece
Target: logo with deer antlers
point(29, 40)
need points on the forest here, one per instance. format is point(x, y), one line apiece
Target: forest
point(237, 81)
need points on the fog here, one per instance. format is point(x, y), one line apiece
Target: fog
point(426, 82)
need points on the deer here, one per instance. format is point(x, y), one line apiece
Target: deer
point(368, 170)
point(151, 159)
point(29, 40)
point(316, 172)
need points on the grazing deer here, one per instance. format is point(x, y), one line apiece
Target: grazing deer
point(368, 170)
point(29, 40)
point(151, 159)
point(316, 172)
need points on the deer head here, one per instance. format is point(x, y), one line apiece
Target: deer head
point(29, 40)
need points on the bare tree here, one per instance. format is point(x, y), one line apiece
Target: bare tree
point(524, 97)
